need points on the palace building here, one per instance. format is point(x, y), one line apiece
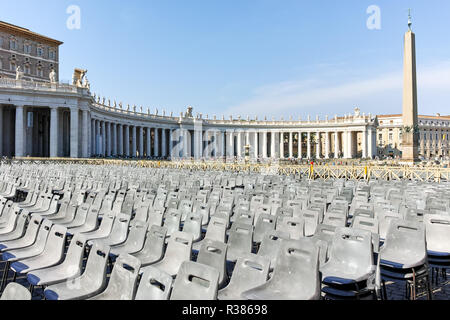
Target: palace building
point(36, 55)
point(41, 117)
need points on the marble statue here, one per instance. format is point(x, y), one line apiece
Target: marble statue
point(52, 76)
point(189, 112)
point(19, 73)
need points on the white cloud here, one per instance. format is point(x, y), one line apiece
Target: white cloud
point(376, 94)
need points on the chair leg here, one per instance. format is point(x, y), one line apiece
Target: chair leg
point(429, 289)
point(385, 296)
point(5, 276)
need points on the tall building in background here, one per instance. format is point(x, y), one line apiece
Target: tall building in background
point(36, 54)
point(410, 136)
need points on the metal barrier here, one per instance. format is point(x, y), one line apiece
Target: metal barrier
point(323, 171)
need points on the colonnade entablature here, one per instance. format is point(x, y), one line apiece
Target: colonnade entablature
point(62, 120)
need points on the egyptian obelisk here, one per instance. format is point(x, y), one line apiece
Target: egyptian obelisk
point(410, 136)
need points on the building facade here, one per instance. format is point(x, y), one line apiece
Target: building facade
point(36, 55)
point(434, 134)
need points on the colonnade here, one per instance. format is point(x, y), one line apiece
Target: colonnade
point(82, 132)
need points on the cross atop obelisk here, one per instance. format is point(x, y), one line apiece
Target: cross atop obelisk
point(410, 136)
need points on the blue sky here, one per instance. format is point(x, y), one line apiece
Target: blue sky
point(249, 57)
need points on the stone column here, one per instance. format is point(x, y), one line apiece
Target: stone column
point(327, 145)
point(300, 146)
point(134, 143)
point(163, 143)
point(89, 135)
point(223, 138)
point(364, 144)
point(230, 145)
point(98, 146)
point(156, 148)
point(281, 145)
point(108, 139)
point(148, 142)
point(103, 138)
point(20, 131)
point(84, 135)
point(239, 144)
point(256, 144)
point(373, 150)
point(272, 144)
point(74, 120)
point(318, 145)
point(120, 142)
point(186, 152)
point(264, 146)
point(141, 142)
point(216, 144)
point(114, 139)
point(93, 135)
point(291, 145)
point(336, 145)
point(127, 140)
point(54, 119)
point(171, 138)
point(349, 145)
point(308, 144)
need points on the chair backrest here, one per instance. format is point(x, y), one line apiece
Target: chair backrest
point(75, 253)
point(311, 219)
point(193, 225)
point(240, 241)
point(216, 229)
point(179, 247)
point(213, 253)
point(15, 291)
point(172, 222)
point(407, 240)
point(249, 272)
point(265, 223)
point(333, 219)
point(195, 281)
point(154, 285)
point(155, 217)
point(123, 279)
point(384, 220)
point(297, 262)
point(366, 223)
point(56, 241)
point(292, 225)
point(352, 248)
point(43, 234)
point(12, 220)
point(437, 229)
point(95, 271)
point(203, 209)
point(154, 245)
point(270, 245)
point(141, 214)
point(119, 231)
point(244, 216)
